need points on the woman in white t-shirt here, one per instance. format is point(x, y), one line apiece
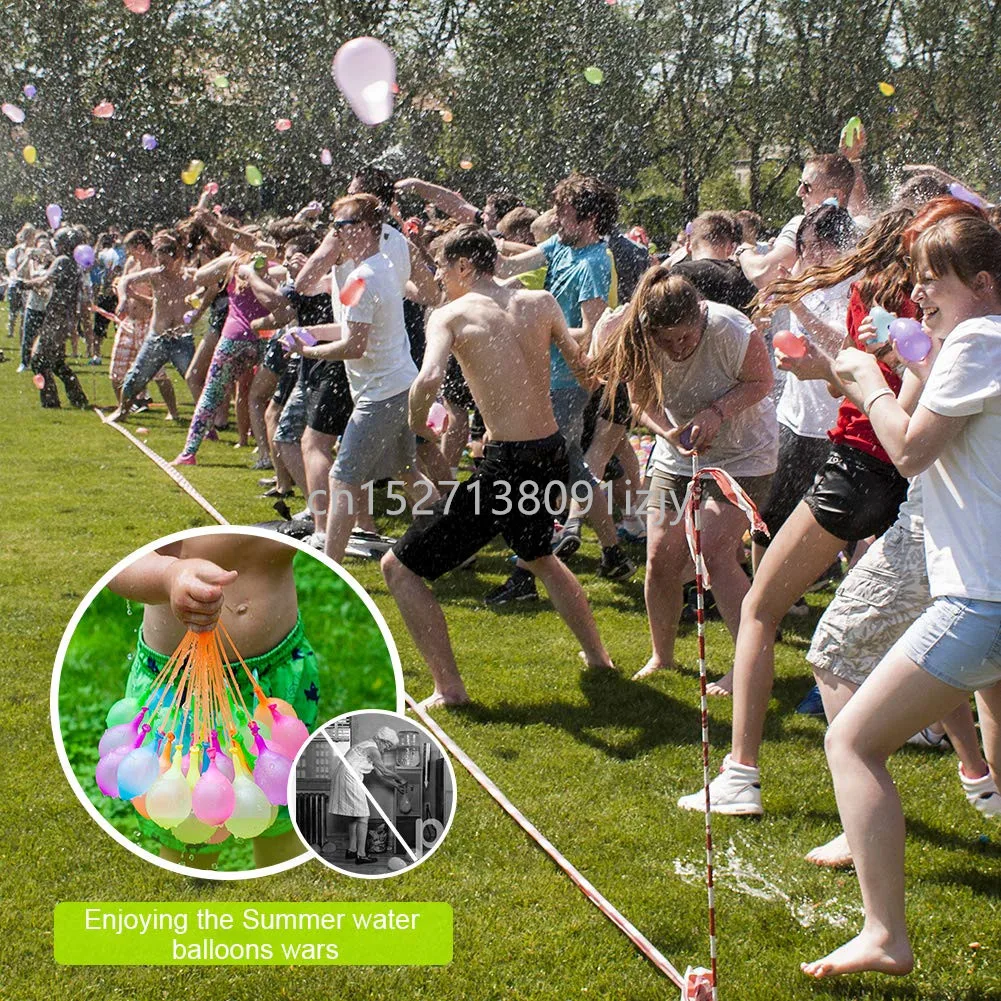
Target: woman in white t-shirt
point(700, 374)
point(953, 441)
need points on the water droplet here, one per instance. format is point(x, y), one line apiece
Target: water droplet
point(128, 606)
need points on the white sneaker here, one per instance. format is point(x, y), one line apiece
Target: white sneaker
point(317, 540)
point(929, 738)
point(982, 793)
point(22, 368)
point(735, 792)
point(303, 515)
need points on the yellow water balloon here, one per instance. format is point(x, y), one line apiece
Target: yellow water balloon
point(887, 89)
point(30, 154)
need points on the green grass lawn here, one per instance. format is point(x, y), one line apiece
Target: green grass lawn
point(596, 764)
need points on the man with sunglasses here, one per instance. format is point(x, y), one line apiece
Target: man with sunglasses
point(372, 342)
point(824, 177)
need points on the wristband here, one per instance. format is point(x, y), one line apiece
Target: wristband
point(873, 397)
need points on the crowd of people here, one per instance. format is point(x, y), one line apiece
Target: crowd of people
point(374, 352)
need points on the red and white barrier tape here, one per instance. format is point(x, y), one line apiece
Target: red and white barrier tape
point(167, 468)
point(640, 941)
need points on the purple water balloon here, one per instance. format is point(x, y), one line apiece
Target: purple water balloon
point(53, 215)
point(84, 256)
point(911, 342)
point(106, 773)
point(213, 798)
point(271, 770)
point(964, 194)
point(149, 141)
point(30, 91)
point(124, 733)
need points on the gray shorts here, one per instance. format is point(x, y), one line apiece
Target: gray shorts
point(377, 442)
point(292, 421)
point(883, 594)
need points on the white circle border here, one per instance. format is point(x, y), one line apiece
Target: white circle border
point(400, 715)
point(102, 821)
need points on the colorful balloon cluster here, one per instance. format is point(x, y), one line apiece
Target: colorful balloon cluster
point(163, 751)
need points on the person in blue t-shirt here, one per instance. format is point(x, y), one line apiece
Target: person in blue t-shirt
point(579, 276)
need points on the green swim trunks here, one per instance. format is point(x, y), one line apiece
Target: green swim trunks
point(289, 671)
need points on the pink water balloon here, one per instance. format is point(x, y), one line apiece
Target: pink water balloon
point(82, 194)
point(13, 112)
point(365, 72)
point(213, 799)
point(326, 158)
point(288, 733)
point(283, 124)
point(791, 345)
point(103, 110)
point(39, 380)
point(137, 6)
point(222, 760)
point(437, 418)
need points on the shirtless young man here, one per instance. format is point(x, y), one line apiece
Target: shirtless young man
point(135, 306)
point(501, 338)
point(247, 583)
point(169, 338)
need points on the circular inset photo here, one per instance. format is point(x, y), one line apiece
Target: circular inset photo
point(188, 680)
point(374, 794)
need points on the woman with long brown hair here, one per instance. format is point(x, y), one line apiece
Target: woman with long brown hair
point(699, 375)
point(856, 494)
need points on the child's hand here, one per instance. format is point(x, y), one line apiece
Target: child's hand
point(195, 588)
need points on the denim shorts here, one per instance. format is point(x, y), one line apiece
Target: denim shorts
point(958, 641)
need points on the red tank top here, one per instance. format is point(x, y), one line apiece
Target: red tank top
point(853, 427)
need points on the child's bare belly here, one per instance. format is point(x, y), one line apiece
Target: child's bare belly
point(260, 606)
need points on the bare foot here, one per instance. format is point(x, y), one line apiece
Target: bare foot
point(834, 855)
point(723, 688)
point(651, 667)
point(438, 699)
point(582, 657)
point(861, 954)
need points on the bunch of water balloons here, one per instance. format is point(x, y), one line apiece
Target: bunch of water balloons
point(189, 754)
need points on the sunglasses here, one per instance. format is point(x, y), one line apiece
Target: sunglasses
point(339, 224)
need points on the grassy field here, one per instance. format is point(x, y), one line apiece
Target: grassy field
point(596, 764)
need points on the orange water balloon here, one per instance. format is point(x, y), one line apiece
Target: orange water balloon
point(283, 124)
point(83, 194)
point(103, 110)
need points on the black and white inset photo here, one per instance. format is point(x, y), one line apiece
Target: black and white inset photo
point(374, 794)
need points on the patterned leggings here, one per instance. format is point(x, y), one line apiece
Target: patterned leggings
point(231, 359)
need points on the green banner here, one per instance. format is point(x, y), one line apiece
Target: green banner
point(251, 934)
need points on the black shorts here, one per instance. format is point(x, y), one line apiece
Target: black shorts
point(276, 357)
point(511, 493)
point(855, 495)
point(620, 412)
point(800, 459)
point(328, 399)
